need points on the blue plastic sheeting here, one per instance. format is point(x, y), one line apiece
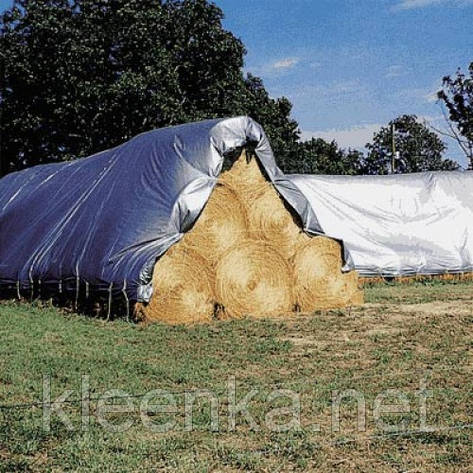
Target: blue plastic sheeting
point(98, 224)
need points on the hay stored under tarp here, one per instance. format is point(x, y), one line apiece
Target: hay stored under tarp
point(254, 279)
point(269, 217)
point(318, 280)
point(416, 278)
point(245, 177)
point(221, 225)
point(183, 289)
point(253, 257)
point(271, 220)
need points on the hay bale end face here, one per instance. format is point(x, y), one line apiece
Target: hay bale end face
point(271, 220)
point(246, 177)
point(254, 279)
point(318, 280)
point(183, 289)
point(221, 225)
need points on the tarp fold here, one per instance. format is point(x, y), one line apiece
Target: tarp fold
point(101, 222)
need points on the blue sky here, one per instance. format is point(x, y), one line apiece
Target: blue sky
point(350, 66)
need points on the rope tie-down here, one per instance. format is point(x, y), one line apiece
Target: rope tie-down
point(127, 302)
point(30, 277)
point(109, 309)
point(76, 301)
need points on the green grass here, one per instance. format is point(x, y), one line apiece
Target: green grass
point(404, 334)
point(419, 292)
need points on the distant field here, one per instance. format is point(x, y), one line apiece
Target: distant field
point(406, 338)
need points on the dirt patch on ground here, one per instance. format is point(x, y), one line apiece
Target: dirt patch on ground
point(463, 307)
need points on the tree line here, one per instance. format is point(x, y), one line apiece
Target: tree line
point(80, 76)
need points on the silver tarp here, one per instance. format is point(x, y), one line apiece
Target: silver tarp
point(98, 224)
point(398, 224)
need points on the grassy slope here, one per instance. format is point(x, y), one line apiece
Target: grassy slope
point(403, 334)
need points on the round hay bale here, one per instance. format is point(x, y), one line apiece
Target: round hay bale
point(221, 225)
point(318, 280)
point(270, 219)
point(353, 287)
point(371, 281)
point(254, 279)
point(183, 289)
point(246, 178)
point(333, 292)
point(358, 298)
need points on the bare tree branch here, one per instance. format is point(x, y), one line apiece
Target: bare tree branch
point(465, 145)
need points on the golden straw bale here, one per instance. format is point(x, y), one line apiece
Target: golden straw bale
point(320, 256)
point(245, 177)
point(418, 278)
point(406, 279)
point(354, 289)
point(332, 292)
point(254, 279)
point(358, 298)
point(268, 217)
point(318, 280)
point(465, 277)
point(449, 277)
point(366, 281)
point(220, 226)
point(271, 220)
point(183, 289)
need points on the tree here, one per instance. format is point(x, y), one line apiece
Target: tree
point(419, 149)
point(457, 96)
point(274, 116)
point(80, 76)
point(317, 156)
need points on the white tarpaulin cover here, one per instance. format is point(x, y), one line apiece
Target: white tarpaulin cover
point(398, 224)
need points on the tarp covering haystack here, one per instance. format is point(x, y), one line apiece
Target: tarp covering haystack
point(257, 255)
point(101, 227)
point(407, 225)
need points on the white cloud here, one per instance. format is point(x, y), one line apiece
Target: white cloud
point(417, 95)
point(415, 4)
point(354, 137)
point(420, 94)
point(331, 90)
point(286, 63)
point(275, 68)
point(394, 71)
point(412, 4)
point(431, 97)
point(358, 135)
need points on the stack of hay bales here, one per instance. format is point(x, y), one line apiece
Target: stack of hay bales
point(247, 255)
point(415, 278)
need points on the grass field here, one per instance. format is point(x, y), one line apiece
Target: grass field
point(410, 346)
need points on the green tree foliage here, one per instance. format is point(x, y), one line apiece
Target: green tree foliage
point(80, 76)
point(274, 115)
point(317, 156)
point(457, 95)
point(419, 148)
